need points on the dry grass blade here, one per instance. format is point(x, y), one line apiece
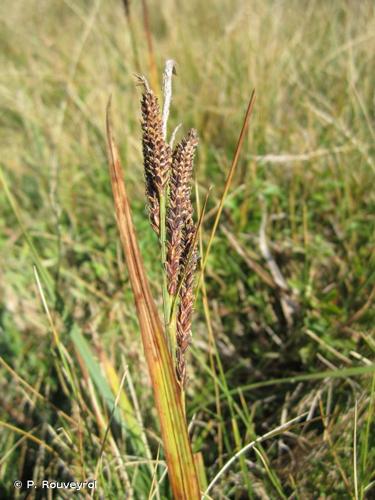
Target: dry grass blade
point(228, 181)
point(30, 436)
point(250, 446)
point(247, 258)
point(181, 468)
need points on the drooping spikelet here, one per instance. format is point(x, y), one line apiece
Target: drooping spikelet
point(185, 310)
point(184, 255)
point(157, 155)
point(180, 208)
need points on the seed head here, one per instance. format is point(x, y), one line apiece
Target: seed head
point(185, 314)
point(180, 208)
point(182, 254)
point(157, 155)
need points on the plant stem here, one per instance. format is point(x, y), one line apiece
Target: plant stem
point(163, 248)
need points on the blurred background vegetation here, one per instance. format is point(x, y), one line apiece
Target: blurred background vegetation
point(303, 193)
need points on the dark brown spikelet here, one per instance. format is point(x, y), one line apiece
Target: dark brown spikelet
point(185, 308)
point(188, 266)
point(180, 208)
point(157, 155)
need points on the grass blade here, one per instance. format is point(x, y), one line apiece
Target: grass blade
point(94, 370)
point(228, 182)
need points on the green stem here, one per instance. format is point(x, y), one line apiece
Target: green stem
point(163, 247)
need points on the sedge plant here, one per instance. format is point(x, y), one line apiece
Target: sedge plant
point(168, 174)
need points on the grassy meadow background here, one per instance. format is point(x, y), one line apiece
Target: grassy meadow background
point(304, 189)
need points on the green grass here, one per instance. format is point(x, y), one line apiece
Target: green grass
point(308, 163)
